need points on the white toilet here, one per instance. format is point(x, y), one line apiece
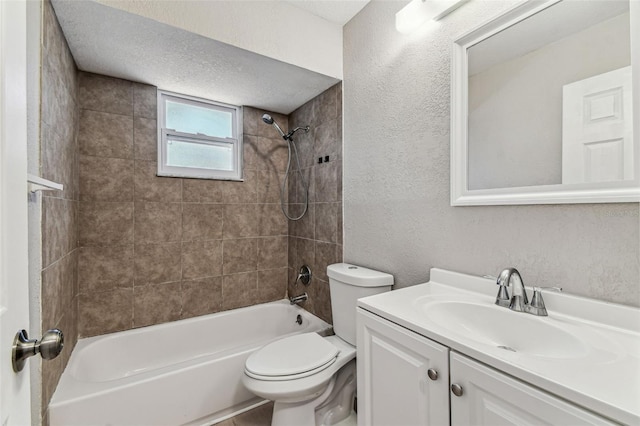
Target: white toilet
point(312, 379)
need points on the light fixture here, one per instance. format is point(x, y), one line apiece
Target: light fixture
point(418, 12)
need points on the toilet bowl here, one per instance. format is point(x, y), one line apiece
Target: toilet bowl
point(312, 379)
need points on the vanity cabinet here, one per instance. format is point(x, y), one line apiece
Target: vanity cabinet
point(403, 378)
point(407, 379)
point(490, 397)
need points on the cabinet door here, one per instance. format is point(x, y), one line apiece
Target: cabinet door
point(490, 397)
point(394, 388)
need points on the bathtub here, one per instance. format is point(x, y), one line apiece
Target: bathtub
point(185, 372)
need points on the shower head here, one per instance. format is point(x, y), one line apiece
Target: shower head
point(269, 120)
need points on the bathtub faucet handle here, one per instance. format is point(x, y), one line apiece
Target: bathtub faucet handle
point(304, 276)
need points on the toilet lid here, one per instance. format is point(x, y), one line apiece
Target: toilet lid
point(293, 355)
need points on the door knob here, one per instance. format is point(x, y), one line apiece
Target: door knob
point(48, 347)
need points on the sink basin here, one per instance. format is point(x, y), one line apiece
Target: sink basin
point(502, 328)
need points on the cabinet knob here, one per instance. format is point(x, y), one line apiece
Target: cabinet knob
point(433, 374)
point(456, 389)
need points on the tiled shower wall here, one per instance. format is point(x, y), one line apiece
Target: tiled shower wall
point(316, 239)
point(59, 224)
point(157, 249)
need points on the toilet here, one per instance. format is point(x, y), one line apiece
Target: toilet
point(312, 379)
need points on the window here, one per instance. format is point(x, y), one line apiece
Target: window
point(198, 138)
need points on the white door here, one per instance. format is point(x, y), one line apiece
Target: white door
point(395, 384)
point(492, 398)
point(14, 288)
point(597, 128)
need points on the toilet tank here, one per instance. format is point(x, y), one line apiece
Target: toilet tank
point(348, 283)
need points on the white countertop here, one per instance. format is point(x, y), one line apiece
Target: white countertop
point(603, 377)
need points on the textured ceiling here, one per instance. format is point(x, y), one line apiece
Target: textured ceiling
point(112, 42)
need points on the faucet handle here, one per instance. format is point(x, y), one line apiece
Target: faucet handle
point(502, 299)
point(537, 307)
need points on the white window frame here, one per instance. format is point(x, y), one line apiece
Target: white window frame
point(165, 134)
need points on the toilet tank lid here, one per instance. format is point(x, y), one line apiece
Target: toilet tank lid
point(358, 275)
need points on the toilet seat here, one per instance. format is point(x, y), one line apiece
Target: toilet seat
point(291, 358)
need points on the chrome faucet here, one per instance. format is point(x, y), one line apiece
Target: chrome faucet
point(298, 299)
point(519, 299)
point(519, 302)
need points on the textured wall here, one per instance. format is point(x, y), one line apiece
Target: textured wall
point(59, 163)
point(396, 176)
point(316, 239)
point(157, 249)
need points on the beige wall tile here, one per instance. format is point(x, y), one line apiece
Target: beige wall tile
point(158, 222)
point(150, 187)
point(59, 228)
point(57, 98)
point(201, 222)
point(240, 192)
point(145, 139)
point(51, 372)
point(105, 312)
point(68, 324)
point(327, 141)
point(57, 161)
point(326, 222)
point(271, 153)
point(106, 179)
point(103, 134)
point(306, 254)
point(326, 182)
point(305, 227)
point(57, 288)
point(103, 223)
point(158, 263)
point(268, 186)
point(106, 94)
point(250, 152)
point(58, 158)
point(144, 101)
point(272, 284)
point(201, 259)
point(325, 256)
point(240, 220)
point(240, 255)
point(202, 191)
point(272, 252)
point(156, 303)
point(105, 268)
point(297, 183)
point(235, 228)
point(239, 290)
point(202, 296)
point(271, 220)
point(293, 251)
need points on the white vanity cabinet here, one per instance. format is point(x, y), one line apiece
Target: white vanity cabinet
point(394, 368)
point(490, 397)
point(395, 389)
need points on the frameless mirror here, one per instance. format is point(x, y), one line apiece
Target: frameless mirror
point(543, 106)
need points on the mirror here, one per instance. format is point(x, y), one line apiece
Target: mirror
point(543, 106)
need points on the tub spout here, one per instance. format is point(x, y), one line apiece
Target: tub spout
point(298, 299)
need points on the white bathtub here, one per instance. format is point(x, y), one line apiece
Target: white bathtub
point(183, 372)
